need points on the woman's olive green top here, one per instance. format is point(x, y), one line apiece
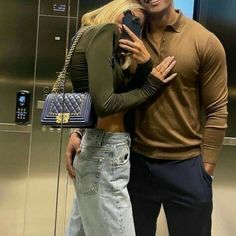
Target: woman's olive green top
point(95, 68)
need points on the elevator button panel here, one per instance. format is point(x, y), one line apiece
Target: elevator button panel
point(22, 107)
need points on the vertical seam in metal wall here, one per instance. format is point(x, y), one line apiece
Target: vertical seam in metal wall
point(61, 133)
point(67, 43)
point(32, 118)
point(67, 176)
point(77, 15)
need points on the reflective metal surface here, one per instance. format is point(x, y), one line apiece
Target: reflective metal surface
point(219, 17)
point(33, 42)
point(17, 45)
point(45, 208)
point(228, 141)
point(13, 172)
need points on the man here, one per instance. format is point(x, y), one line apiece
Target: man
point(174, 153)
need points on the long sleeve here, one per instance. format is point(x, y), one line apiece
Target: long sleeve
point(101, 75)
point(140, 76)
point(214, 95)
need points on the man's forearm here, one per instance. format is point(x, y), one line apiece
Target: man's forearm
point(212, 144)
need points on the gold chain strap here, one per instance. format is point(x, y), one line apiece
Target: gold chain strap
point(60, 82)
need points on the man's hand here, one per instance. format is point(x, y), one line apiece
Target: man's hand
point(209, 168)
point(73, 146)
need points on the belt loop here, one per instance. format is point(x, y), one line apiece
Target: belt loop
point(99, 137)
point(129, 141)
point(102, 137)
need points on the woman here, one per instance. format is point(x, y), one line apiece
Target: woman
point(102, 164)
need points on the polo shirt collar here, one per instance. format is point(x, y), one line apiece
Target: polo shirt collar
point(178, 23)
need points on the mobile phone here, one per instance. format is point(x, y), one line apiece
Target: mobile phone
point(133, 23)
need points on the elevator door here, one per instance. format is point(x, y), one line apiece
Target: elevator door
point(33, 42)
point(219, 17)
point(17, 55)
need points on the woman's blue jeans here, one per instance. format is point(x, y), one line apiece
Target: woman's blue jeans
point(102, 174)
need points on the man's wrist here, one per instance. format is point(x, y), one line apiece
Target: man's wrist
point(78, 132)
point(209, 163)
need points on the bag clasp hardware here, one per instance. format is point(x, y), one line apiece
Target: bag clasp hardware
point(63, 118)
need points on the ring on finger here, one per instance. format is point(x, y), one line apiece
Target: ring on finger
point(159, 71)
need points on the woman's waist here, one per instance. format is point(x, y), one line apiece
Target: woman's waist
point(98, 137)
point(112, 123)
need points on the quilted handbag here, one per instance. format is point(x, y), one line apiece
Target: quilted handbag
point(68, 109)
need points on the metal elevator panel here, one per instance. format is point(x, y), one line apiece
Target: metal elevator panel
point(17, 45)
point(59, 7)
point(13, 172)
point(46, 143)
point(224, 194)
point(30, 172)
point(219, 17)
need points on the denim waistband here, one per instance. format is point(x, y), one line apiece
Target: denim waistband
point(97, 137)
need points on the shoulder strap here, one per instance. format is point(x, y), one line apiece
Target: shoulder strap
point(60, 82)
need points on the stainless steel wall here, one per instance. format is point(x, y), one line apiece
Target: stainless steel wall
point(17, 47)
point(33, 42)
point(219, 17)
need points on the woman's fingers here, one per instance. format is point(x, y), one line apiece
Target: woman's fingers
point(130, 33)
point(137, 49)
point(164, 68)
point(168, 68)
point(131, 44)
point(168, 79)
point(164, 64)
point(128, 45)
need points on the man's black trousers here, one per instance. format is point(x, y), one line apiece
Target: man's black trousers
point(182, 187)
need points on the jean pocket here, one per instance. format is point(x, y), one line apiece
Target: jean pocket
point(88, 171)
point(121, 166)
point(122, 155)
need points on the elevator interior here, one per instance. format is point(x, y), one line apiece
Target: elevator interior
point(36, 193)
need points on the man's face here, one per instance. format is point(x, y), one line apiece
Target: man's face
point(156, 6)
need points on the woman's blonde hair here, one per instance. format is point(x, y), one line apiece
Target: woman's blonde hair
point(109, 12)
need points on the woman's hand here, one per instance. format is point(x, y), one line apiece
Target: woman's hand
point(163, 69)
point(136, 47)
